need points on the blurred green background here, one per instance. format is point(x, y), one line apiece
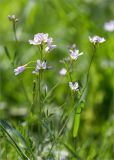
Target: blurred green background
point(68, 22)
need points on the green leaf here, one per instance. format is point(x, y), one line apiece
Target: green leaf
point(11, 134)
point(71, 150)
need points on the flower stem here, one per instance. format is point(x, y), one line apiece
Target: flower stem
point(88, 72)
point(69, 74)
point(14, 30)
point(39, 91)
point(72, 98)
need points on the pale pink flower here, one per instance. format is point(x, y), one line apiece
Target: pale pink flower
point(50, 46)
point(96, 39)
point(39, 39)
point(74, 86)
point(74, 54)
point(40, 66)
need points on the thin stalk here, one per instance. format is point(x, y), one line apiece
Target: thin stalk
point(34, 95)
point(88, 72)
point(39, 90)
point(69, 74)
point(72, 97)
point(30, 62)
point(49, 92)
point(41, 52)
point(21, 80)
point(14, 30)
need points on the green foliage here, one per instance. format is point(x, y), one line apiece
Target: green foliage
point(13, 136)
point(82, 131)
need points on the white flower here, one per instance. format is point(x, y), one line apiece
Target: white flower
point(96, 39)
point(40, 65)
point(63, 72)
point(50, 46)
point(74, 54)
point(109, 26)
point(74, 86)
point(39, 39)
point(19, 69)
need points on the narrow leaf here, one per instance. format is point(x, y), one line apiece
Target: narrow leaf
point(9, 131)
point(7, 52)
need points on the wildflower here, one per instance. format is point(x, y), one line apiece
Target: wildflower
point(39, 39)
point(109, 26)
point(63, 72)
point(19, 69)
point(12, 18)
point(96, 40)
point(40, 66)
point(50, 46)
point(74, 86)
point(74, 54)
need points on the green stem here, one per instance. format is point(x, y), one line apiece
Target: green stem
point(34, 95)
point(72, 98)
point(69, 74)
point(41, 51)
point(14, 30)
point(88, 72)
point(30, 62)
point(39, 90)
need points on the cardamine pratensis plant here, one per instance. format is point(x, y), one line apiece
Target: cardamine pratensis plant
point(45, 45)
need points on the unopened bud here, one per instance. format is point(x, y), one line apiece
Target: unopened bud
point(12, 18)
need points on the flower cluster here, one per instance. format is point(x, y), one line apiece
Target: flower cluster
point(96, 40)
point(45, 41)
point(41, 39)
point(68, 62)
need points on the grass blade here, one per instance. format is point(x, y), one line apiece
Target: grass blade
point(9, 131)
